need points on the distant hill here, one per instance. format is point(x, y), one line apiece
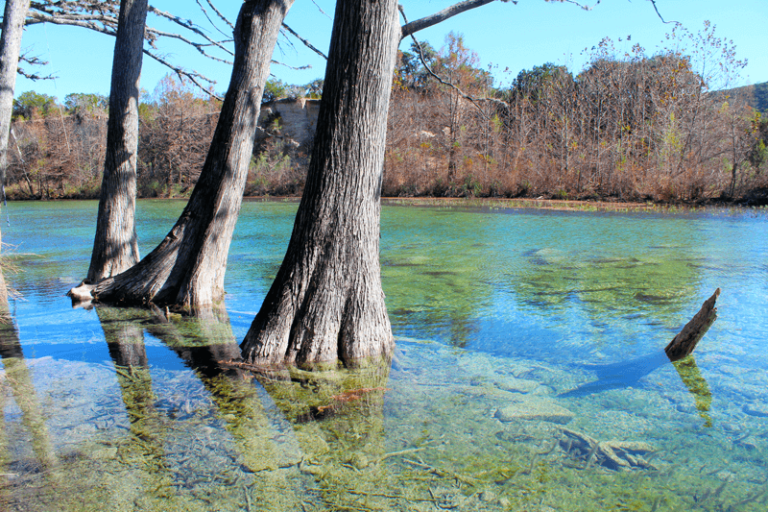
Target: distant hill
point(755, 95)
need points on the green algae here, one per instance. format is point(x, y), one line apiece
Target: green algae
point(490, 309)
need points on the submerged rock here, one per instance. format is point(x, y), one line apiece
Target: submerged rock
point(514, 385)
point(99, 451)
point(755, 409)
point(616, 455)
point(541, 410)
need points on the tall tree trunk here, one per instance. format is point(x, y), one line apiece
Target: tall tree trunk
point(10, 46)
point(187, 268)
point(115, 247)
point(326, 302)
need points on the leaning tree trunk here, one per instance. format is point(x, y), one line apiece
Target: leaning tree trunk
point(326, 302)
point(115, 247)
point(10, 46)
point(187, 268)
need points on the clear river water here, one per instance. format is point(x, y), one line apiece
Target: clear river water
point(529, 372)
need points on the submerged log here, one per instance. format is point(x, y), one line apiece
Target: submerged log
point(685, 341)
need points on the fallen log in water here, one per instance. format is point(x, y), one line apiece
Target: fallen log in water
point(685, 341)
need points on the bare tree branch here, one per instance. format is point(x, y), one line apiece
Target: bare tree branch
point(306, 43)
point(32, 60)
point(39, 17)
point(422, 23)
point(440, 16)
point(437, 77)
point(295, 68)
point(221, 17)
point(655, 8)
point(102, 16)
point(579, 4)
point(192, 76)
point(197, 46)
point(187, 24)
point(34, 76)
point(321, 10)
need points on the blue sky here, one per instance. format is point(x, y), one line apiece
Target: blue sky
point(505, 35)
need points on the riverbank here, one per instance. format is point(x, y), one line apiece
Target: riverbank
point(755, 198)
point(572, 205)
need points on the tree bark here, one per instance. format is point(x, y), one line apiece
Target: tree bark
point(187, 268)
point(10, 46)
point(115, 247)
point(326, 303)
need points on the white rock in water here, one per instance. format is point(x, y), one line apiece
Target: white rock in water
point(541, 410)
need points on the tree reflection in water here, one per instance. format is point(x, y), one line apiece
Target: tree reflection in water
point(296, 439)
point(146, 445)
point(13, 446)
point(691, 376)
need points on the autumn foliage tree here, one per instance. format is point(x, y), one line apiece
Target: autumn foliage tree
point(630, 126)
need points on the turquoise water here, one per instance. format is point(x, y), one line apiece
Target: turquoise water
point(527, 373)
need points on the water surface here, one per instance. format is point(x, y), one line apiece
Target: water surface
point(527, 374)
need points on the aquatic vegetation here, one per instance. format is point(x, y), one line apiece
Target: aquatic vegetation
point(498, 314)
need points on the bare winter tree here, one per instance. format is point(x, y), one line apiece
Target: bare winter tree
point(10, 47)
point(326, 303)
point(103, 17)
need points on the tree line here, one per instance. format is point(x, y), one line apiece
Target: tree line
point(57, 149)
point(629, 126)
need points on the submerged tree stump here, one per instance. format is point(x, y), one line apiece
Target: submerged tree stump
point(683, 344)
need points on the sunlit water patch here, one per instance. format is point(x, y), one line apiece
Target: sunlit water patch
point(528, 375)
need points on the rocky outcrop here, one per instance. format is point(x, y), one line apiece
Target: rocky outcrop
point(297, 119)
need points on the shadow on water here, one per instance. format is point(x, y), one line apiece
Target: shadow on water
point(679, 352)
point(627, 374)
point(292, 436)
point(619, 375)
